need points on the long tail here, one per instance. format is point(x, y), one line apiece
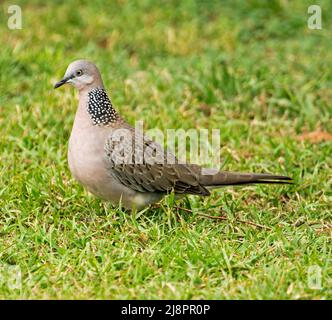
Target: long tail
point(211, 178)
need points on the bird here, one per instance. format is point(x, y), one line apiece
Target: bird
point(115, 163)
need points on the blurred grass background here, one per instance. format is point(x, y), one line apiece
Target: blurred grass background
point(250, 68)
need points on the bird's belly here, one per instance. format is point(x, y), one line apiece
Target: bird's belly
point(87, 165)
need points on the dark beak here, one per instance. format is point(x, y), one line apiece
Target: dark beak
point(62, 82)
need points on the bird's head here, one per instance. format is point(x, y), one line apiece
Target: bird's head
point(81, 74)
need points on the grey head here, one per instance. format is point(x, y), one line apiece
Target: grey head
point(82, 74)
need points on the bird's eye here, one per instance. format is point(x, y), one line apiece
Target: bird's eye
point(79, 73)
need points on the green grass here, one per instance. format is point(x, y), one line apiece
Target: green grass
point(250, 68)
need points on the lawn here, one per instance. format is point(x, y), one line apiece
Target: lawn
point(252, 69)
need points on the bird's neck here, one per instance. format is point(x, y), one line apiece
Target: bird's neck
point(99, 107)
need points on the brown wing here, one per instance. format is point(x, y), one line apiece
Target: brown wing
point(143, 165)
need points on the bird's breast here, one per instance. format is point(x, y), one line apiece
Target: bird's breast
point(86, 156)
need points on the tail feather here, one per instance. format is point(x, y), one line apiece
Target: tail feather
point(211, 178)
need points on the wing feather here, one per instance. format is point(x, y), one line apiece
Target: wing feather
point(153, 172)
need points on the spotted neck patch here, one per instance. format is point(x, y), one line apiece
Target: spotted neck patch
point(100, 108)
